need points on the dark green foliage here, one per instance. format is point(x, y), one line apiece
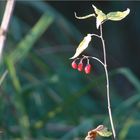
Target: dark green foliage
point(42, 97)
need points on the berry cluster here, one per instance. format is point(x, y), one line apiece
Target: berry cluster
point(80, 66)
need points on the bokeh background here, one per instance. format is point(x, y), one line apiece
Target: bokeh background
point(42, 97)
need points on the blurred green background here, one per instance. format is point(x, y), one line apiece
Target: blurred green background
point(42, 97)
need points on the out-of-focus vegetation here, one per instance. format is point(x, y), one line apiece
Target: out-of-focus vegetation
point(42, 97)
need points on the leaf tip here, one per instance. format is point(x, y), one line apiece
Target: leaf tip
point(128, 10)
point(94, 6)
point(75, 14)
point(71, 57)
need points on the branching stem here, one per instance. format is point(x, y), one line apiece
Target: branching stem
point(96, 35)
point(107, 84)
point(95, 58)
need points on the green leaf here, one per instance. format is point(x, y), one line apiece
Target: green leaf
point(104, 132)
point(116, 16)
point(101, 17)
point(82, 46)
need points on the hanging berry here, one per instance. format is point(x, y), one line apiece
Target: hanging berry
point(87, 69)
point(74, 65)
point(80, 66)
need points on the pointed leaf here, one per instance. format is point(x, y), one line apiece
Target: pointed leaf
point(82, 46)
point(101, 17)
point(104, 132)
point(84, 17)
point(116, 16)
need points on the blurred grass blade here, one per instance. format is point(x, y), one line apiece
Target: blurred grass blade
point(18, 101)
point(29, 40)
point(127, 104)
point(130, 76)
point(127, 125)
point(18, 54)
point(3, 76)
point(13, 75)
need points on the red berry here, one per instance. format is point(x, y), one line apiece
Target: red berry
point(87, 68)
point(80, 66)
point(74, 65)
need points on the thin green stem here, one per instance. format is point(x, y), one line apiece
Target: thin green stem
point(107, 84)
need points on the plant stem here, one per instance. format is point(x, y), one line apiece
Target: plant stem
point(107, 84)
point(5, 23)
